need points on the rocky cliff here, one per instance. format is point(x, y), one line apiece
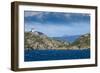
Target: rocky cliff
point(38, 40)
point(83, 42)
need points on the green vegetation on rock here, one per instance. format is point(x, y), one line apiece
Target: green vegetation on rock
point(38, 40)
point(82, 42)
point(35, 40)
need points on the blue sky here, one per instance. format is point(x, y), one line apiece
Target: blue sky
point(57, 24)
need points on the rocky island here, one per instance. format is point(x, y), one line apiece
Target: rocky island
point(38, 40)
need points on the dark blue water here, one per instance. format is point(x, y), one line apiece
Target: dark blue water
point(44, 55)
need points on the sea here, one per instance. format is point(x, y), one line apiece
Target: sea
point(46, 55)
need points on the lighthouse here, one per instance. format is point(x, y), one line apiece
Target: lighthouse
point(33, 30)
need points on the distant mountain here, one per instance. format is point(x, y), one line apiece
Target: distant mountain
point(38, 40)
point(68, 38)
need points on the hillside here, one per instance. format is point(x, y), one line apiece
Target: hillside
point(82, 42)
point(38, 40)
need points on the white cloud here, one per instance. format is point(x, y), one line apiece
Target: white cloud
point(31, 13)
point(58, 30)
point(68, 15)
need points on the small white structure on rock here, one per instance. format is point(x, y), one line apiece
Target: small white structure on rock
point(33, 30)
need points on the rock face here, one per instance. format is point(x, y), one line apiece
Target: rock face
point(38, 40)
point(83, 42)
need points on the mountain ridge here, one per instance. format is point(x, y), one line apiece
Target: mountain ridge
point(38, 40)
point(71, 38)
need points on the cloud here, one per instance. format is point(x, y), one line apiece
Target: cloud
point(31, 13)
point(53, 30)
point(56, 23)
point(55, 17)
point(68, 15)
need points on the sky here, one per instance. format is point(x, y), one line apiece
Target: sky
point(57, 24)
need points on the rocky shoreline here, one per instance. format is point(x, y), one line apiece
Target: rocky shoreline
point(38, 40)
